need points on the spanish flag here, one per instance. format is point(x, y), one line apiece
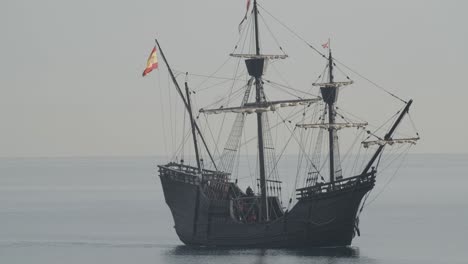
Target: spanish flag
point(152, 62)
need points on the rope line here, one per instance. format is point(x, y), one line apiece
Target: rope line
point(370, 81)
point(293, 32)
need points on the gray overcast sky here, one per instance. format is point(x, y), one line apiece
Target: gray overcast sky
point(71, 70)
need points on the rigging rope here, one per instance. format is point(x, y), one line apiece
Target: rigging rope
point(293, 32)
point(288, 87)
point(412, 124)
point(367, 79)
point(322, 74)
point(276, 125)
point(298, 170)
point(273, 85)
point(393, 176)
point(315, 149)
point(381, 126)
point(271, 33)
point(212, 136)
point(300, 146)
point(356, 160)
point(280, 75)
point(222, 65)
point(325, 57)
point(187, 136)
point(163, 116)
point(354, 144)
point(183, 142)
point(232, 145)
point(342, 72)
point(170, 114)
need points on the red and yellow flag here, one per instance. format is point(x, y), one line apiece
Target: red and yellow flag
point(245, 17)
point(152, 62)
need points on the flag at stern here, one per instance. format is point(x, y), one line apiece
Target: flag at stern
point(152, 63)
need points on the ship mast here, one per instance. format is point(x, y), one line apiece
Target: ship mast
point(331, 117)
point(192, 124)
point(258, 100)
point(330, 96)
point(257, 41)
point(388, 136)
point(176, 84)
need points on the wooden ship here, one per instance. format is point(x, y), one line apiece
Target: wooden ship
point(209, 207)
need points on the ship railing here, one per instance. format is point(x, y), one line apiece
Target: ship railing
point(273, 187)
point(342, 184)
point(189, 174)
point(179, 175)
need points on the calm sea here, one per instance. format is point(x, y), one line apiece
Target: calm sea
point(112, 210)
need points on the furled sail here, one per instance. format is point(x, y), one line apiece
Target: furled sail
point(336, 126)
point(261, 107)
point(260, 56)
point(390, 142)
point(333, 84)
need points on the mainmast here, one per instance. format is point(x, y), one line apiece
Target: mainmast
point(256, 69)
point(257, 41)
point(331, 120)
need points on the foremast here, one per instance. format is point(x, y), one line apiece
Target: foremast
point(329, 93)
point(330, 96)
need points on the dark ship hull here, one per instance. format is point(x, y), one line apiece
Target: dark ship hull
point(205, 212)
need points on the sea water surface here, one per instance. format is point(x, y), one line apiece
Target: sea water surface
point(112, 210)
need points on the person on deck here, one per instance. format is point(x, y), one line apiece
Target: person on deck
point(249, 191)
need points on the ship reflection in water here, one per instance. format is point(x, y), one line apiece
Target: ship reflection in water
point(187, 254)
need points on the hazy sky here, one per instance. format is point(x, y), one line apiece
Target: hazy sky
point(71, 81)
